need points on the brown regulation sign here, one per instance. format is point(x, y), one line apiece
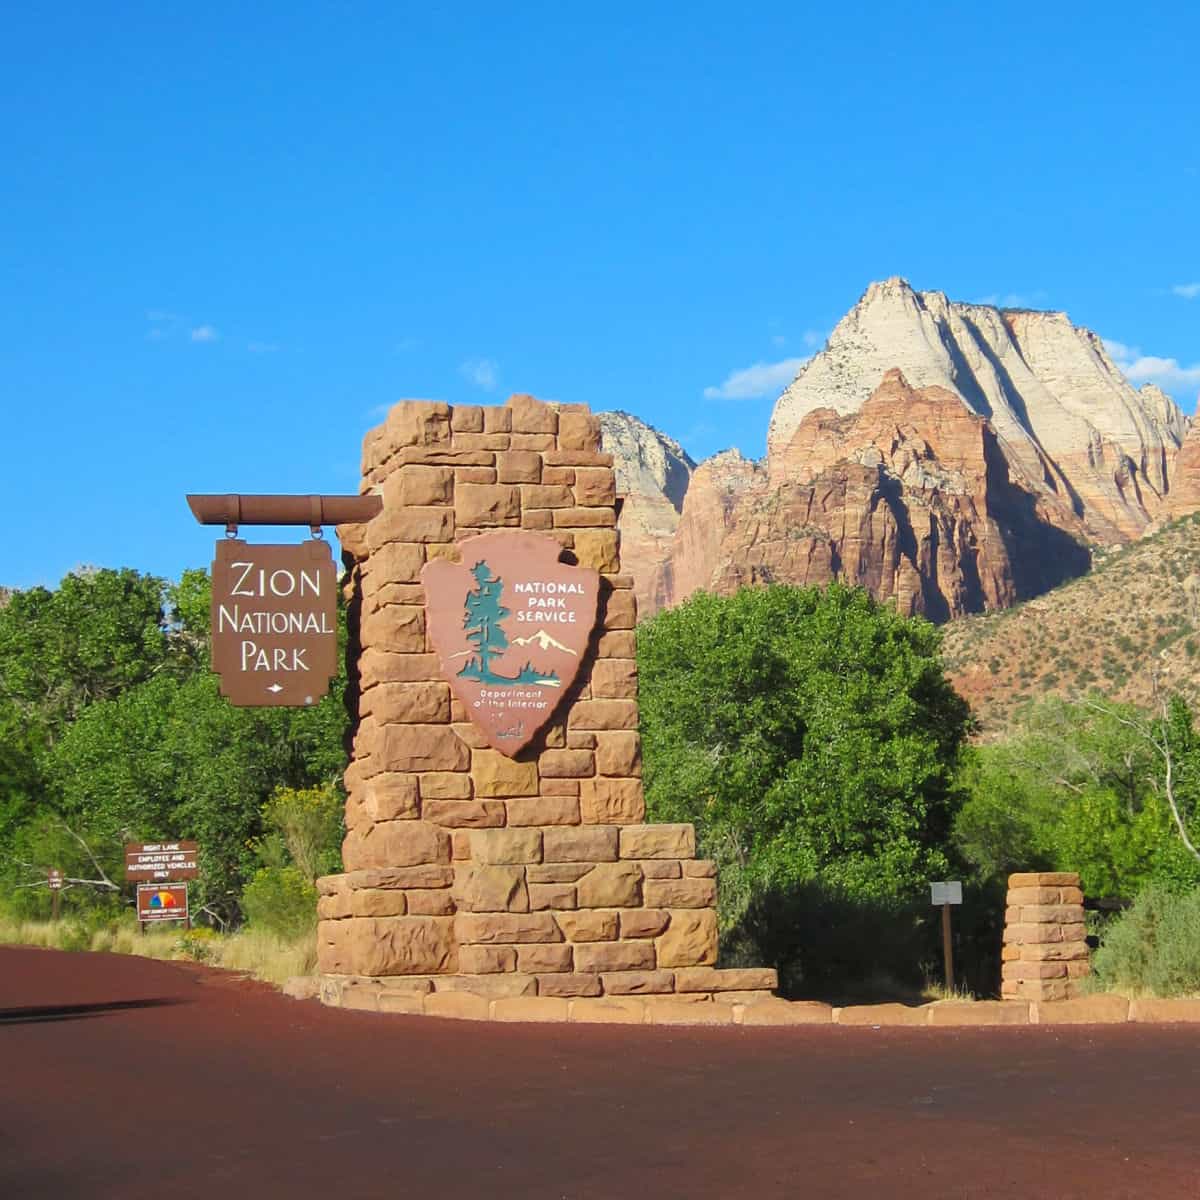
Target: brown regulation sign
point(161, 860)
point(511, 626)
point(274, 622)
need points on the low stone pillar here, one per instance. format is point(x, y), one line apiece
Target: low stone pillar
point(1045, 941)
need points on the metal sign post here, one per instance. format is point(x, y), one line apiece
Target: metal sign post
point(947, 894)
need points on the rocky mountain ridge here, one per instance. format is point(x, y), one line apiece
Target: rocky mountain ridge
point(953, 458)
point(1133, 618)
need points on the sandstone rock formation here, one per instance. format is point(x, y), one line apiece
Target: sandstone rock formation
point(653, 472)
point(1184, 496)
point(952, 457)
point(910, 496)
point(1061, 408)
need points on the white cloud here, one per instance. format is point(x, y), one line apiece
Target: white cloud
point(762, 379)
point(1168, 373)
point(482, 372)
point(204, 333)
point(1120, 352)
point(1189, 291)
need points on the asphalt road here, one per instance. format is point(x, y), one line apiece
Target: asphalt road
point(136, 1079)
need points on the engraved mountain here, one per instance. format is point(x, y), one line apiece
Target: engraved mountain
point(951, 457)
point(543, 641)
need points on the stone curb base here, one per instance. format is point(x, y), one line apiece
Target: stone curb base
point(717, 1009)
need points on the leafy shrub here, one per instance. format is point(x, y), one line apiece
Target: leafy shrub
point(75, 937)
point(280, 900)
point(309, 822)
point(199, 943)
point(1154, 947)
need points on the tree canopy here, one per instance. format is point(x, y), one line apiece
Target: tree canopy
point(114, 731)
point(1083, 786)
point(811, 737)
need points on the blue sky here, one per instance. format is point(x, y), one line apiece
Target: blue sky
point(231, 235)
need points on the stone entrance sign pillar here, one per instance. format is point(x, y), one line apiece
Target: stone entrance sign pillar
point(528, 869)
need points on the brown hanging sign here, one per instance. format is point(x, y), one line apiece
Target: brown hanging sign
point(274, 622)
point(511, 626)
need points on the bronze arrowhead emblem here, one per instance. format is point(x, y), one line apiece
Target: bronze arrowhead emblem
point(511, 626)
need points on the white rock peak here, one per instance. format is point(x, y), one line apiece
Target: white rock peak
point(1067, 419)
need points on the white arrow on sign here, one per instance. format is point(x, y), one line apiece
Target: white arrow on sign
point(274, 688)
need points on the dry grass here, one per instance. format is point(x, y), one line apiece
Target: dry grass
point(267, 957)
point(260, 955)
point(933, 992)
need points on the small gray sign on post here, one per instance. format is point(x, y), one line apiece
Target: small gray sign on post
point(945, 894)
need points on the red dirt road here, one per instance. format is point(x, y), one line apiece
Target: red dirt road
point(123, 1077)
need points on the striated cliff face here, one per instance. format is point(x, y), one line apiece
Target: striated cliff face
point(1184, 496)
point(910, 497)
point(950, 457)
point(653, 473)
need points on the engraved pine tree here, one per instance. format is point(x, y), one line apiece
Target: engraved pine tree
point(482, 618)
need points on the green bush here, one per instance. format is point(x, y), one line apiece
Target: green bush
point(1154, 947)
point(199, 943)
point(309, 823)
point(280, 900)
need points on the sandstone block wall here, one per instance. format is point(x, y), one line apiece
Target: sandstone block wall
point(1045, 942)
point(466, 870)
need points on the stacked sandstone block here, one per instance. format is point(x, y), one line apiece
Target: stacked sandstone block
point(1045, 943)
point(468, 871)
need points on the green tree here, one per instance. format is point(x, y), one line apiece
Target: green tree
point(142, 748)
point(98, 633)
point(1095, 787)
point(174, 759)
point(812, 738)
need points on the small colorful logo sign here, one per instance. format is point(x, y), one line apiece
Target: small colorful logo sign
point(162, 902)
point(511, 626)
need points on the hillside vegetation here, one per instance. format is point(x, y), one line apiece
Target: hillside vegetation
point(1137, 609)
